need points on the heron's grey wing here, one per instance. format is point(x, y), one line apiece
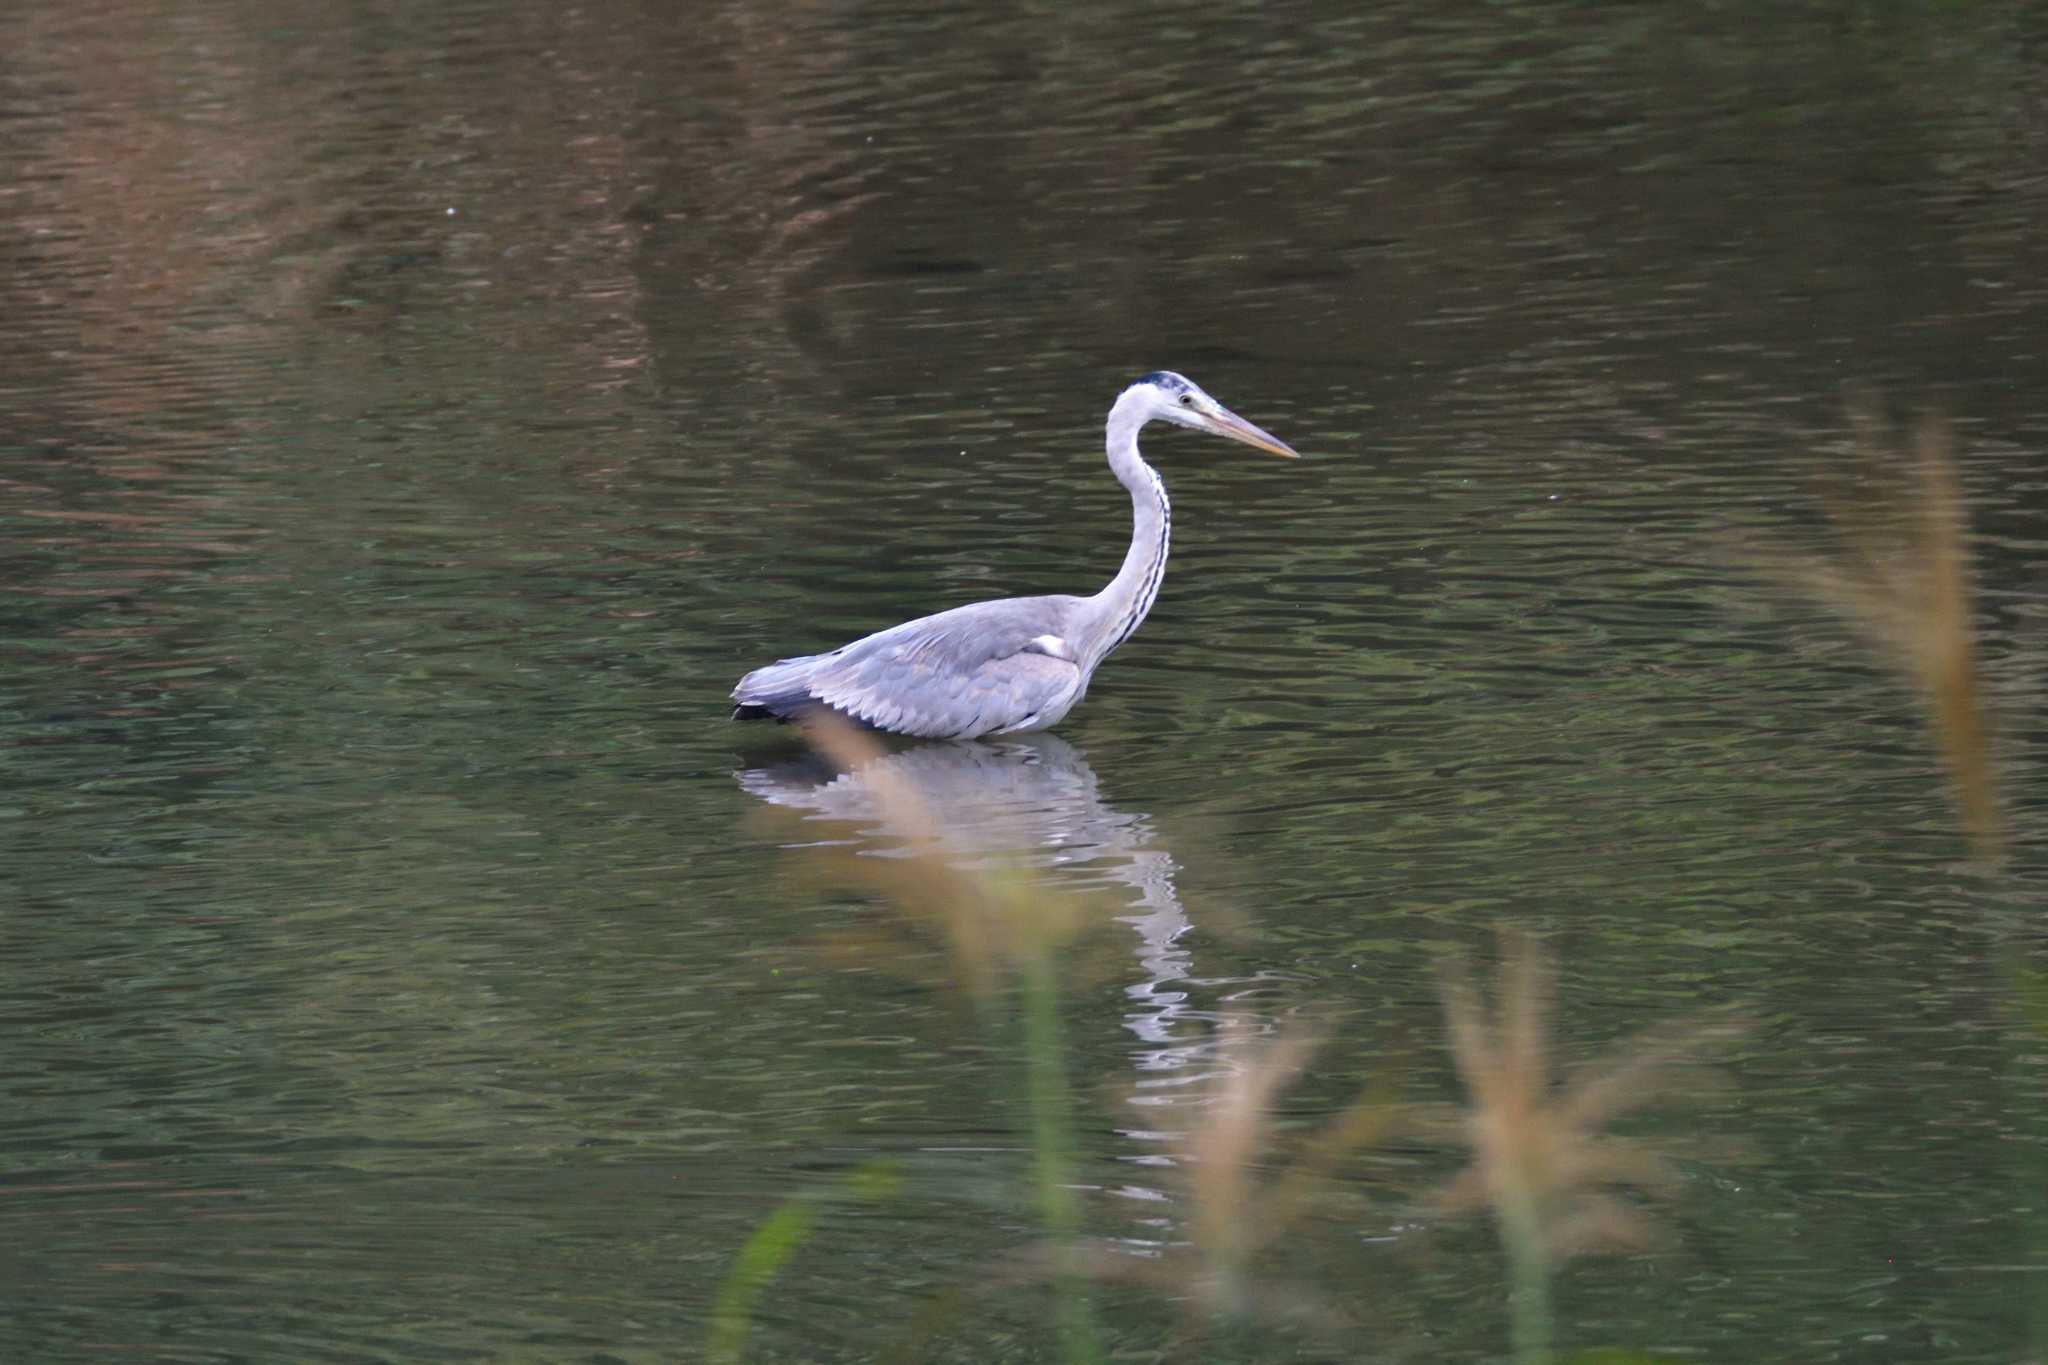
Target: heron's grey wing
point(957, 675)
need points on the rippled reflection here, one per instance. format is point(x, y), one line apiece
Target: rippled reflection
point(1032, 798)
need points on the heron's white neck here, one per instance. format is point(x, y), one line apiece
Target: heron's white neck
point(1116, 611)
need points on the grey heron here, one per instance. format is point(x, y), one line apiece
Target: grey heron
point(1016, 663)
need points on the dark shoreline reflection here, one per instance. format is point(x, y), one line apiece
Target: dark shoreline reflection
point(1033, 798)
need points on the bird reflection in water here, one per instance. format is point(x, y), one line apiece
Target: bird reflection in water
point(1001, 843)
point(1028, 801)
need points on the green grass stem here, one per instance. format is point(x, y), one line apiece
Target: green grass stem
point(780, 1236)
point(1529, 1319)
point(1052, 1142)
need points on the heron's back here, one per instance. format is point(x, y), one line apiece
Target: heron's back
point(980, 669)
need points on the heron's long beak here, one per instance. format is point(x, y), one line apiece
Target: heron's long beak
point(1228, 423)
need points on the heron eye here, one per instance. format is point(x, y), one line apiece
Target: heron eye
point(1187, 400)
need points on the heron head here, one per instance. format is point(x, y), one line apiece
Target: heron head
point(1175, 398)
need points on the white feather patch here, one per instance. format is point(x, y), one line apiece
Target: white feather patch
point(1053, 645)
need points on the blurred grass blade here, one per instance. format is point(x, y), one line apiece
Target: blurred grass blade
point(778, 1238)
point(781, 1235)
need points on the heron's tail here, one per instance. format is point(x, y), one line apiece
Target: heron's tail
point(777, 691)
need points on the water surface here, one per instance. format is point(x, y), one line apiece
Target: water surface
point(412, 419)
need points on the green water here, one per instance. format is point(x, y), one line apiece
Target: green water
point(414, 418)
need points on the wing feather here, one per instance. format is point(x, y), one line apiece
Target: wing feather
point(957, 675)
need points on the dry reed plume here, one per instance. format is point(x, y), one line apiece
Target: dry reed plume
point(1234, 1213)
point(1901, 570)
point(1245, 1186)
point(1535, 1138)
point(1540, 1161)
point(993, 913)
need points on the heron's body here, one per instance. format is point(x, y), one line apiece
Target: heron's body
point(1017, 663)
